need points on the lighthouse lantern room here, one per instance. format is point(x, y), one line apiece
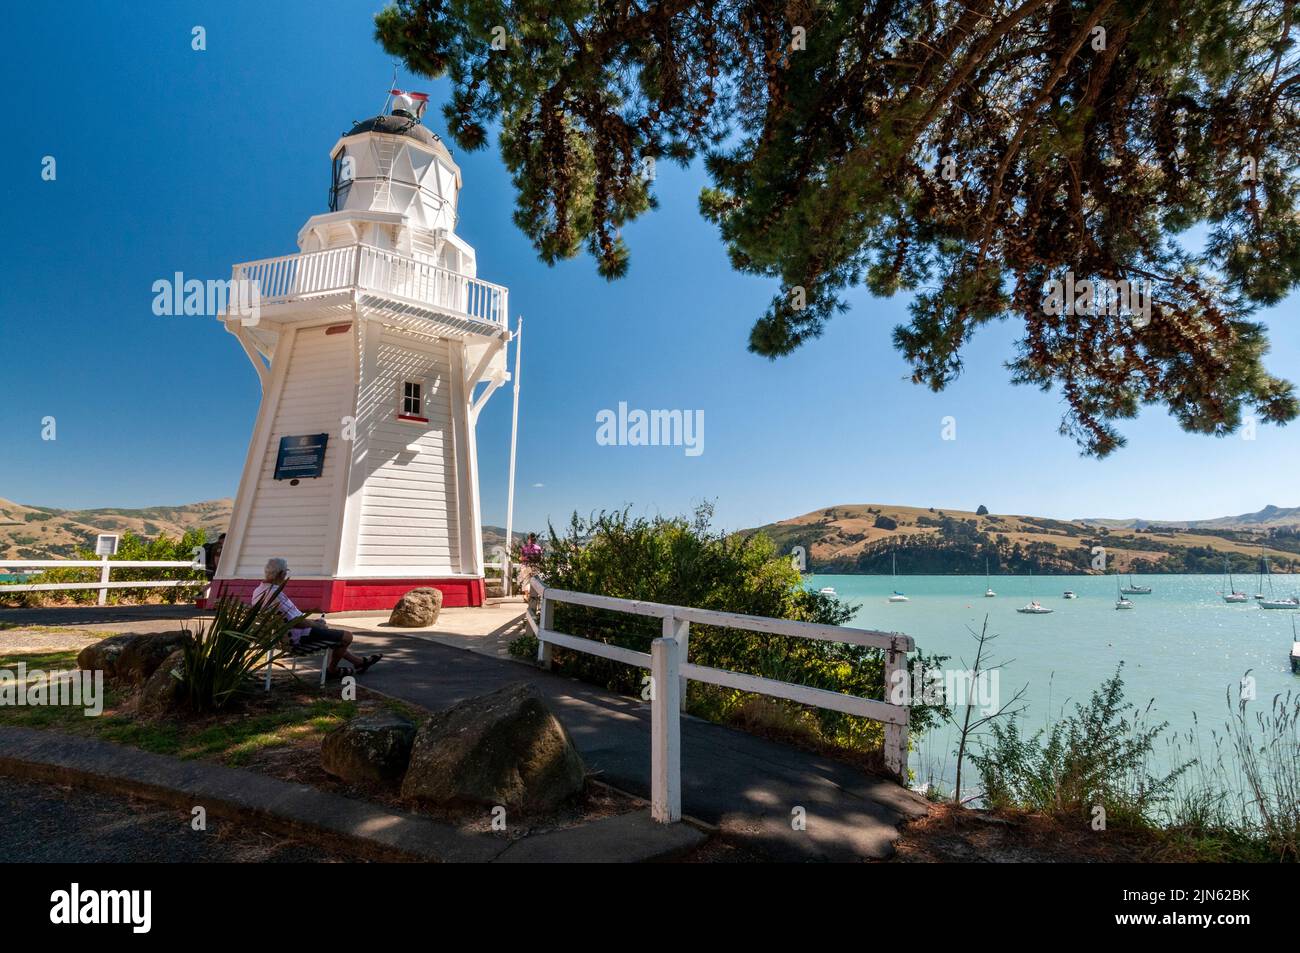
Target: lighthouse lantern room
point(376, 346)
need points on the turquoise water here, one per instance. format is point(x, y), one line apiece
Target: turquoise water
point(1183, 646)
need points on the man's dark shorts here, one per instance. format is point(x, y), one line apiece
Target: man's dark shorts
point(318, 639)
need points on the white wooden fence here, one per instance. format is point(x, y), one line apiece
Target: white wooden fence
point(105, 567)
point(670, 670)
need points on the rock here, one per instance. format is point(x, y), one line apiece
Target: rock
point(103, 655)
point(417, 608)
point(130, 658)
point(163, 689)
point(372, 748)
point(142, 656)
point(505, 748)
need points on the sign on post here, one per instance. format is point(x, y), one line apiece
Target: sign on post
point(105, 546)
point(301, 457)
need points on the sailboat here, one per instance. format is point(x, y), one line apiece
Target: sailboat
point(897, 596)
point(1295, 649)
point(1135, 590)
point(988, 593)
point(1034, 607)
point(1259, 583)
point(1232, 595)
point(1120, 601)
point(1270, 602)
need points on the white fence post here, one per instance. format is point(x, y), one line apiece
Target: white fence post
point(895, 735)
point(665, 731)
point(545, 624)
point(103, 578)
point(679, 630)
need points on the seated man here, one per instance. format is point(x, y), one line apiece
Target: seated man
point(310, 633)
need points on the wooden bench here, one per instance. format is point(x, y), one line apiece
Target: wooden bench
point(294, 653)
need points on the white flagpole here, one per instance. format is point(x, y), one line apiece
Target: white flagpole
point(514, 440)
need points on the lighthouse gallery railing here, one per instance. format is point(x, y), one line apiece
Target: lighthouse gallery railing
point(366, 268)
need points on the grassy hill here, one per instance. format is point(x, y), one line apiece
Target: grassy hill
point(865, 537)
point(41, 532)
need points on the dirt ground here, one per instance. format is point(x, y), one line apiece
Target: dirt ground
point(959, 835)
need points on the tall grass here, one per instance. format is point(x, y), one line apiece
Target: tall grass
point(1242, 800)
point(1232, 793)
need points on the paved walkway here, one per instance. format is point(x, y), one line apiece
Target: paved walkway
point(744, 784)
point(488, 630)
point(741, 783)
point(64, 628)
point(362, 827)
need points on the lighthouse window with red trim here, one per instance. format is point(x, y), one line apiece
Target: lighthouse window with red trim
point(411, 405)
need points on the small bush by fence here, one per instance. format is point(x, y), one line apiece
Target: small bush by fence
point(131, 548)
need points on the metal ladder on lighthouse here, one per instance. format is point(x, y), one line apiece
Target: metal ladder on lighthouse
point(385, 152)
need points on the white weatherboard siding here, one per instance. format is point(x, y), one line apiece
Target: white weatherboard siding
point(405, 471)
point(297, 522)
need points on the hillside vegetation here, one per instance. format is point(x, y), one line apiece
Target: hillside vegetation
point(865, 538)
point(41, 532)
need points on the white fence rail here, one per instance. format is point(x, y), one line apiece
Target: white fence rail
point(105, 567)
point(364, 267)
point(670, 670)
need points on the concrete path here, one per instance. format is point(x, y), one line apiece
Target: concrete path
point(361, 827)
point(487, 630)
point(63, 628)
point(741, 783)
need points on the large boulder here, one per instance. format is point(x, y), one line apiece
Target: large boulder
point(102, 656)
point(143, 655)
point(372, 748)
point(505, 748)
point(130, 658)
point(417, 608)
point(162, 691)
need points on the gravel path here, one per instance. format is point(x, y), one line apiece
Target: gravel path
point(45, 823)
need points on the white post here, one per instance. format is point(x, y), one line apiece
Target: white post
point(103, 580)
point(546, 623)
point(895, 735)
point(510, 490)
point(665, 732)
point(679, 630)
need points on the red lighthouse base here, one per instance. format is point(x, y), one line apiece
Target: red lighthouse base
point(355, 595)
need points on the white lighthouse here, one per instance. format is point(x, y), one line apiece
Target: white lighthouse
point(376, 347)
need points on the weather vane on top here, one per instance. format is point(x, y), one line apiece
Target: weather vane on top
point(407, 103)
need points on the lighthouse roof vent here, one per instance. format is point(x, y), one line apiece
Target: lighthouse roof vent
point(397, 124)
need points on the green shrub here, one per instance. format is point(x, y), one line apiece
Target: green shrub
point(223, 653)
point(1096, 757)
point(682, 561)
point(162, 548)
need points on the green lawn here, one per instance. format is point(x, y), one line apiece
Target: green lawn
point(288, 715)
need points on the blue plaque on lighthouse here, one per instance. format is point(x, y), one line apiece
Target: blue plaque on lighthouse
point(302, 456)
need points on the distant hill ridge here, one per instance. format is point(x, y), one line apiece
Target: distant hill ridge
point(869, 538)
point(1269, 516)
point(44, 532)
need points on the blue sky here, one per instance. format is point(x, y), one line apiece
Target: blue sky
point(174, 160)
